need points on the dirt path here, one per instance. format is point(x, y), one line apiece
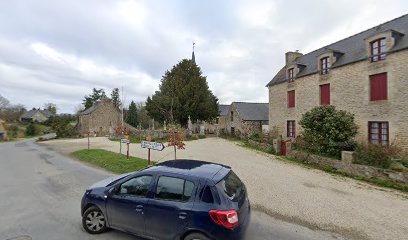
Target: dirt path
point(290, 192)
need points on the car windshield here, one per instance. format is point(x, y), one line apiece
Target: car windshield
point(232, 186)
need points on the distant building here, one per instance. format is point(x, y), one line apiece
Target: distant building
point(222, 118)
point(36, 115)
point(365, 74)
point(245, 118)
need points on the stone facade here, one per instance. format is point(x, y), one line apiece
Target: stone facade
point(350, 91)
point(100, 119)
point(238, 126)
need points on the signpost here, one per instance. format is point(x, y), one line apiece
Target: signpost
point(127, 142)
point(151, 145)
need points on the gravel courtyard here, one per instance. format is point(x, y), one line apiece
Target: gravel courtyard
point(288, 191)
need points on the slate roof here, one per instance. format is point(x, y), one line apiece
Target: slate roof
point(96, 106)
point(30, 114)
point(223, 109)
point(253, 111)
point(353, 49)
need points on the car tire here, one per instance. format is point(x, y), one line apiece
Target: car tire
point(196, 236)
point(93, 221)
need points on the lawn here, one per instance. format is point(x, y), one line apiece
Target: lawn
point(114, 162)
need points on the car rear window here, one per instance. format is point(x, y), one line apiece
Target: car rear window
point(232, 186)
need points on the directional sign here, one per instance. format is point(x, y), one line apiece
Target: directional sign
point(152, 145)
point(123, 140)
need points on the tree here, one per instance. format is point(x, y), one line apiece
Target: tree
point(97, 94)
point(132, 117)
point(51, 107)
point(327, 130)
point(31, 129)
point(4, 102)
point(183, 92)
point(116, 98)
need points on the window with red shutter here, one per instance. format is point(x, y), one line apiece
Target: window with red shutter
point(325, 65)
point(325, 94)
point(291, 99)
point(378, 87)
point(378, 133)
point(378, 49)
point(291, 75)
point(291, 129)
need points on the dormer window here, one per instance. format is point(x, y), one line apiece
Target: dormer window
point(378, 49)
point(325, 65)
point(291, 76)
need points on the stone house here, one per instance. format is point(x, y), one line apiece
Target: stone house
point(100, 119)
point(221, 120)
point(36, 115)
point(365, 74)
point(245, 119)
point(3, 133)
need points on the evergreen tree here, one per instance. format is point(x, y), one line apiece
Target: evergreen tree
point(183, 92)
point(115, 97)
point(132, 116)
point(97, 94)
point(51, 107)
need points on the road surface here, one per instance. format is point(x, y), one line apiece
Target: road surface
point(41, 192)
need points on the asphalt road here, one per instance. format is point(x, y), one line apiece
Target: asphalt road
point(40, 197)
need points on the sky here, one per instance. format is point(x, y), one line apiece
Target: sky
point(57, 51)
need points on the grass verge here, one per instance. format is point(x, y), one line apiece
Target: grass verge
point(111, 161)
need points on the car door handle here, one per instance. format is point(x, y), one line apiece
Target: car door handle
point(139, 208)
point(183, 215)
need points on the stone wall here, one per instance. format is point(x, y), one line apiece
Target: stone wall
point(349, 90)
point(353, 169)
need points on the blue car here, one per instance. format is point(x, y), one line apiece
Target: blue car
point(180, 199)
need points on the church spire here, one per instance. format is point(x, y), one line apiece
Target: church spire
point(193, 56)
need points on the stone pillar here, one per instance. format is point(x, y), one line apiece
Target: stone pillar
point(189, 126)
point(277, 145)
point(164, 126)
point(348, 157)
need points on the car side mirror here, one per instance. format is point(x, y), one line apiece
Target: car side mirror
point(111, 191)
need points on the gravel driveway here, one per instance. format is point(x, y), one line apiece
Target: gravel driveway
point(291, 192)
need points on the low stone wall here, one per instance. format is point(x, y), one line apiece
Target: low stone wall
point(347, 166)
point(263, 146)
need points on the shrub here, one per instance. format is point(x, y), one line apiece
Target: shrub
point(377, 155)
point(256, 136)
point(63, 128)
point(328, 131)
point(31, 129)
point(201, 136)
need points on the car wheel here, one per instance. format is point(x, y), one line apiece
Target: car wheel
point(196, 236)
point(94, 221)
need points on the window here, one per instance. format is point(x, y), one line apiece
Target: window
point(206, 195)
point(325, 94)
point(378, 132)
point(176, 189)
point(138, 186)
point(378, 87)
point(291, 99)
point(325, 65)
point(291, 76)
point(291, 129)
point(378, 49)
point(217, 120)
point(232, 116)
point(232, 186)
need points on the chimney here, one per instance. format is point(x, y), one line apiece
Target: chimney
point(291, 56)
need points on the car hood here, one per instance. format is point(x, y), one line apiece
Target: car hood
point(107, 181)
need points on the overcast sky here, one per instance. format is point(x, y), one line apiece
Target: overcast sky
point(57, 51)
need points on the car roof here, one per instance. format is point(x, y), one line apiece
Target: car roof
point(197, 168)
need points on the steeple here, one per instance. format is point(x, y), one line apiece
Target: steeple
point(193, 56)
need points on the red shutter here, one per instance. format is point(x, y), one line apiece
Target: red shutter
point(291, 99)
point(378, 87)
point(325, 94)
